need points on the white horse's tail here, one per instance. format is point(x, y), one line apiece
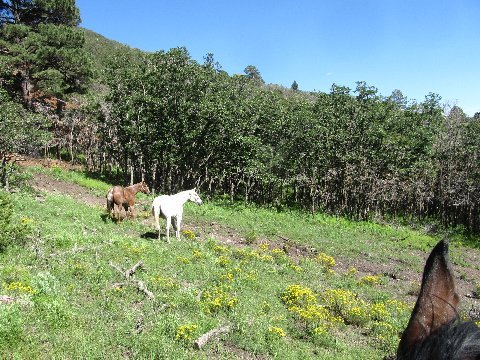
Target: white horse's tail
point(110, 200)
point(156, 215)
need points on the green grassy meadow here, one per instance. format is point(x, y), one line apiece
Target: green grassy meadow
point(282, 284)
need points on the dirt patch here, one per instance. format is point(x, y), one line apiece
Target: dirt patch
point(45, 183)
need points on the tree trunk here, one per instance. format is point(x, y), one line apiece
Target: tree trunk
point(154, 176)
point(26, 87)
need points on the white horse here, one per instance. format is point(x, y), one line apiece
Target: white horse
point(168, 206)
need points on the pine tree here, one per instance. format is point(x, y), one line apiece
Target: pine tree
point(41, 49)
point(294, 86)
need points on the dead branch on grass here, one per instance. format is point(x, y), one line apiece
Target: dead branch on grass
point(214, 333)
point(128, 274)
point(132, 270)
point(5, 299)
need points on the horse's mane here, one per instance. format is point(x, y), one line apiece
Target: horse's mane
point(454, 340)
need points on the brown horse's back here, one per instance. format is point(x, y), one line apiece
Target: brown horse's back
point(119, 195)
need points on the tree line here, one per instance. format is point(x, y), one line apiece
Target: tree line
point(177, 123)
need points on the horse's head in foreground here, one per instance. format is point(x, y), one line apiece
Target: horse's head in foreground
point(193, 196)
point(434, 330)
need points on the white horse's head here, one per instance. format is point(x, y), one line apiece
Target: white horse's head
point(193, 196)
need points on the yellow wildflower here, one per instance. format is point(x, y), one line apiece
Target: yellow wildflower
point(185, 332)
point(277, 331)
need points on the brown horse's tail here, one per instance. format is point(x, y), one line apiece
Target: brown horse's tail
point(110, 203)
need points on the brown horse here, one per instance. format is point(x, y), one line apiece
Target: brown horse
point(124, 197)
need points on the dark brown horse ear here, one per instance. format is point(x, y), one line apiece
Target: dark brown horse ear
point(437, 302)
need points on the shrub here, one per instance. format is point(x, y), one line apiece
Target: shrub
point(12, 230)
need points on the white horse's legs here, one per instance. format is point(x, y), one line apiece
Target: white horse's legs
point(177, 227)
point(169, 222)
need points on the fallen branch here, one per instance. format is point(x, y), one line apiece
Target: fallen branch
point(128, 274)
point(5, 299)
point(116, 268)
point(202, 340)
point(132, 270)
point(143, 288)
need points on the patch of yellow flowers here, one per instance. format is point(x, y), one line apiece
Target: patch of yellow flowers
point(165, 282)
point(137, 249)
point(219, 249)
point(183, 260)
point(189, 234)
point(223, 261)
point(185, 332)
point(26, 221)
point(277, 331)
point(246, 254)
point(336, 307)
point(370, 279)
point(352, 271)
point(19, 287)
point(326, 261)
point(297, 295)
point(302, 302)
point(217, 299)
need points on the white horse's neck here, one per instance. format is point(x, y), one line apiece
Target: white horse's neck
point(182, 196)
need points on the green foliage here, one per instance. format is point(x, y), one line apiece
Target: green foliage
point(35, 12)
point(11, 331)
point(20, 132)
point(13, 230)
point(357, 154)
point(294, 86)
point(253, 73)
point(102, 51)
point(42, 51)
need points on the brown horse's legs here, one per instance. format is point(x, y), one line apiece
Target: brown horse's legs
point(126, 207)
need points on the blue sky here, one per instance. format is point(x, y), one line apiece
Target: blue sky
point(416, 46)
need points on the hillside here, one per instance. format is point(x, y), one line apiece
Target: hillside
point(238, 266)
point(102, 49)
